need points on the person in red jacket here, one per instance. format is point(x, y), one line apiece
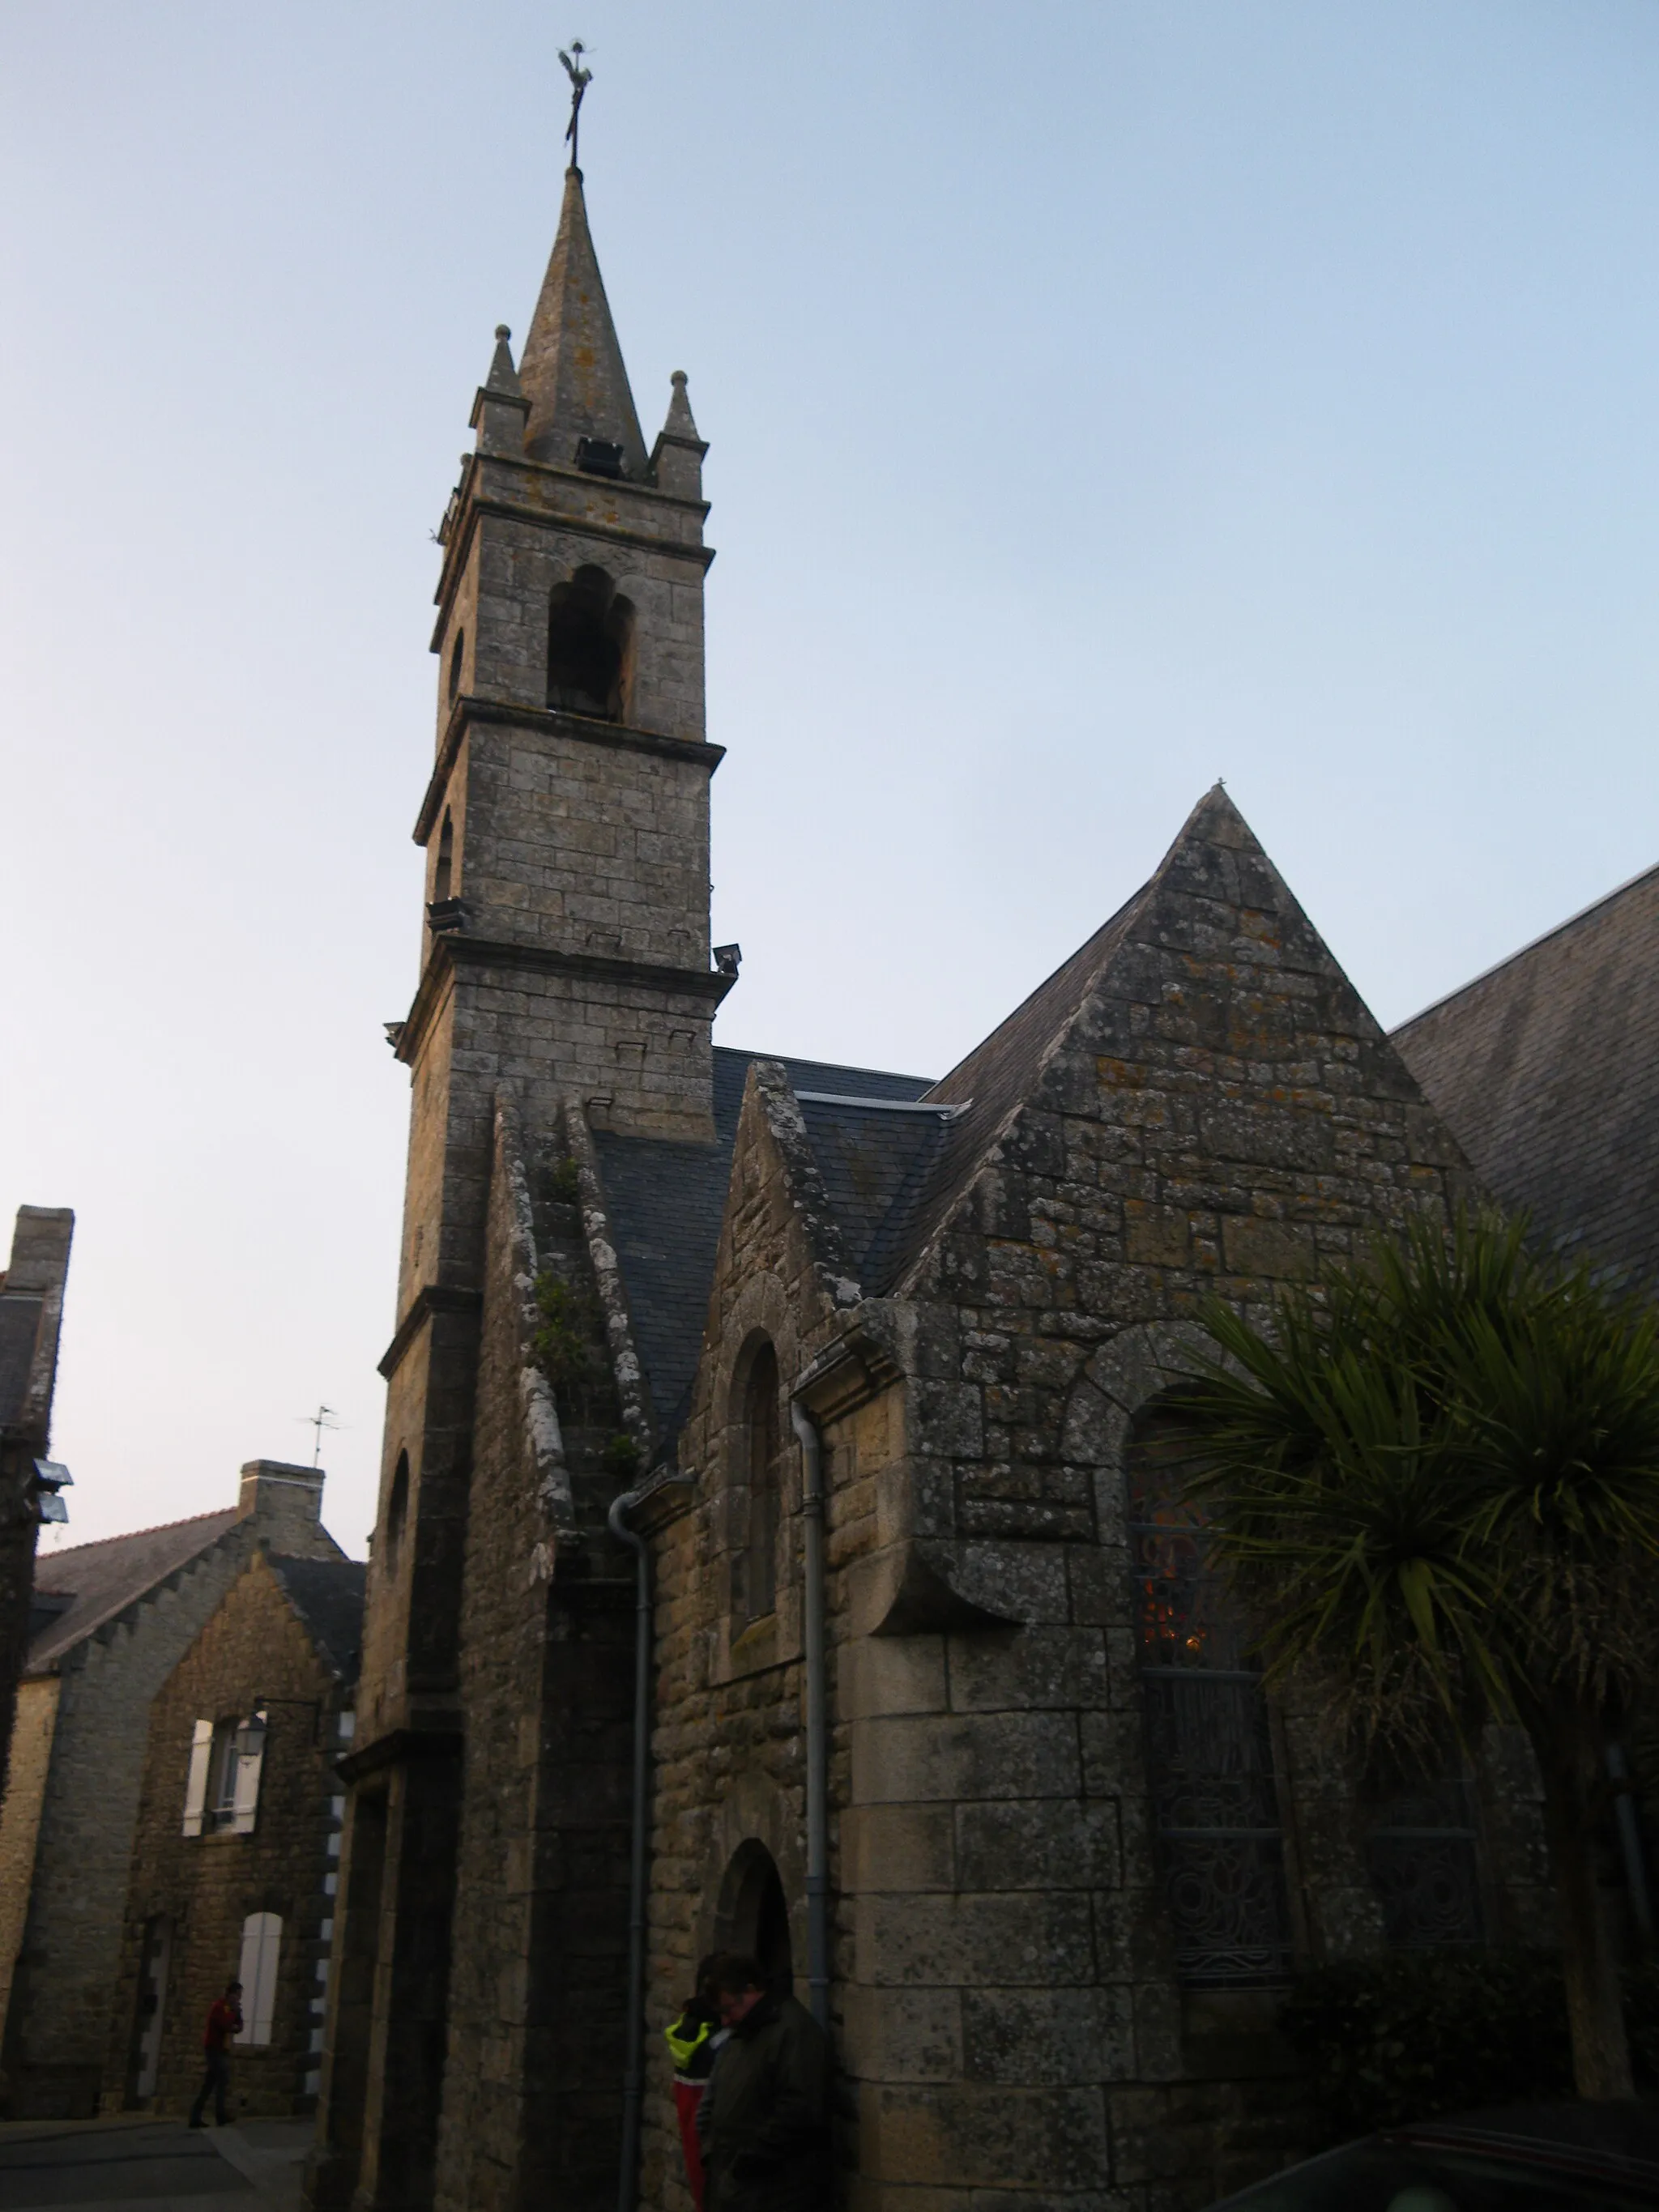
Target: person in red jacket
point(224, 2020)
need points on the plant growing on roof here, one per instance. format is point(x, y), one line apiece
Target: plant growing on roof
point(1436, 1486)
point(565, 1340)
point(620, 1457)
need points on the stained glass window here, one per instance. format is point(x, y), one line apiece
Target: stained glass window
point(1215, 1801)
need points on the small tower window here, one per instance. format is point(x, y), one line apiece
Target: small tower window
point(397, 1513)
point(444, 870)
point(589, 635)
point(763, 1453)
point(457, 652)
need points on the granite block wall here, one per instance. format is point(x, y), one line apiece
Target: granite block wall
point(1218, 1114)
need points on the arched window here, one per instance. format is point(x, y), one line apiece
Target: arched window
point(262, 1944)
point(589, 632)
point(1209, 1746)
point(456, 652)
point(762, 1453)
point(397, 1513)
point(443, 873)
point(752, 1914)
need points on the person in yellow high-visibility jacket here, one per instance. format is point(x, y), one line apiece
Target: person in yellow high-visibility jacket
point(693, 2040)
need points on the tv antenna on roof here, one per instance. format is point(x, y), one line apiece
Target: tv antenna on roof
point(324, 1417)
point(581, 77)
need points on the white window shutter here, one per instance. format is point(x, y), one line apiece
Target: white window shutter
point(250, 1755)
point(262, 1943)
point(201, 1757)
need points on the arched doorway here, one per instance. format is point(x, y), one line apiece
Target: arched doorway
point(752, 1915)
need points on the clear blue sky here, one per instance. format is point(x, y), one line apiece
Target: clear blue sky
point(1103, 399)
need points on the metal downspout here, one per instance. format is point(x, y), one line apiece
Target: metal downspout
point(633, 2065)
point(818, 1726)
point(1630, 1843)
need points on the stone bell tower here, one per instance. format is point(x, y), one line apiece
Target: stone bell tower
point(564, 958)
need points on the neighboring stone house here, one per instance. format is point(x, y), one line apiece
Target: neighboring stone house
point(31, 1317)
point(235, 1859)
point(652, 1290)
point(114, 1619)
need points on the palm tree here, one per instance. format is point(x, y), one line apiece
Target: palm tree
point(1435, 1483)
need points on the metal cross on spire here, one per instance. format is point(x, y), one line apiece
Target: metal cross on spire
point(580, 78)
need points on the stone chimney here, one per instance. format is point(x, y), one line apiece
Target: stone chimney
point(285, 1504)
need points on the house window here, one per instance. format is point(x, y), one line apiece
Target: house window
point(262, 1943)
point(589, 635)
point(456, 652)
point(1210, 1763)
point(762, 1448)
point(222, 1790)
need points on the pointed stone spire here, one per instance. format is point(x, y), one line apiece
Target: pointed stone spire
point(502, 376)
point(678, 423)
point(676, 457)
point(572, 368)
point(499, 410)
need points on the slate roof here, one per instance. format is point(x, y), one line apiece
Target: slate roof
point(891, 1167)
point(103, 1579)
point(666, 1201)
point(892, 1172)
point(1546, 1071)
point(878, 1162)
point(328, 1596)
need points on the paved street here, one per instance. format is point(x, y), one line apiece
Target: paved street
point(137, 2165)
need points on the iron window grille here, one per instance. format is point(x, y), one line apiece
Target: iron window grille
point(1420, 1850)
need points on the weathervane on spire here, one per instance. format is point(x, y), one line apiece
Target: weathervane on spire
point(580, 78)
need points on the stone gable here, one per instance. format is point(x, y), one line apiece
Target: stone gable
point(142, 1600)
point(255, 1648)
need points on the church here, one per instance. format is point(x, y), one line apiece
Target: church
point(764, 1499)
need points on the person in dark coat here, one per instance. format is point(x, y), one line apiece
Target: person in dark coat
point(764, 2118)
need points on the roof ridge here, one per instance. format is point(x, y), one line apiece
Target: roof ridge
point(1076, 959)
point(1572, 920)
point(126, 1536)
point(816, 1059)
point(881, 1105)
